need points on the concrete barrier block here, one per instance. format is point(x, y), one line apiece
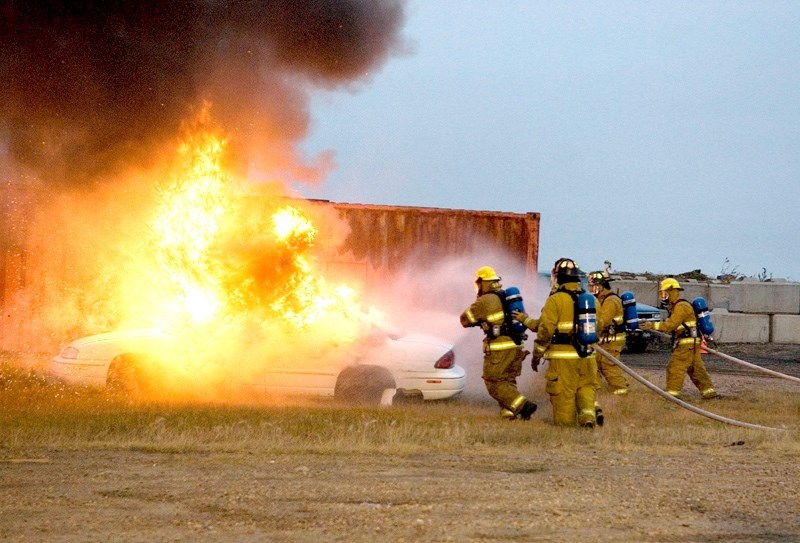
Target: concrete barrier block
point(719, 296)
point(785, 329)
point(646, 291)
point(693, 289)
point(739, 327)
point(765, 297)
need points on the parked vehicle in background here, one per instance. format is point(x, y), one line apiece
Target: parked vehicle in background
point(391, 368)
point(639, 340)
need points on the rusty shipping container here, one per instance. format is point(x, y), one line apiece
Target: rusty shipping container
point(384, 238)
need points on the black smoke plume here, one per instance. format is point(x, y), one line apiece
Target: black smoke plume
point(90, 86)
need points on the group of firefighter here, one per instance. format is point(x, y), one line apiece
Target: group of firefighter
point(573, 373)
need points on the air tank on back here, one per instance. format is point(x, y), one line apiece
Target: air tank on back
point(587, 319)
point(515, 303)
point(629, 313)
point(703, 316)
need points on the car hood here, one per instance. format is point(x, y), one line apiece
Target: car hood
point(103, 347)
point(121, 335)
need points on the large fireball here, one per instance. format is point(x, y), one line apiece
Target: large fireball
point(228, 267)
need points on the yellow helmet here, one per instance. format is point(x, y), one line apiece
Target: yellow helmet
point(486, 273)
point(670, 283)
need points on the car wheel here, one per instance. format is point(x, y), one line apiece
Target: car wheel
point(125, 376)
point(363, 385)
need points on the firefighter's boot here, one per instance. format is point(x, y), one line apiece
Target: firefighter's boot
point(709, 394)
point(507, 414)
point(528, 409)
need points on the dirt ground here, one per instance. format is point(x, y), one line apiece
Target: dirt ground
point(730, 491)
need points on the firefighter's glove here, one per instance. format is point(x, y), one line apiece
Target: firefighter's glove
point(535, 360)
point(519, 316)
point(646, 325)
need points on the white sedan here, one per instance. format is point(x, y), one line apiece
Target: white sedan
point(392, 369)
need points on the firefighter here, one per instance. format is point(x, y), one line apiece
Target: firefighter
point(529, 322)
point(611, 332)
point(502, 361)
point(571, 377)
point(686, 340)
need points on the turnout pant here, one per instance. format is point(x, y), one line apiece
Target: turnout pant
point(572, 385)
point(613, 375)
point(500, 372)
point(686, 360)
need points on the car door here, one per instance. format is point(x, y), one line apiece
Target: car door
point(309, 372)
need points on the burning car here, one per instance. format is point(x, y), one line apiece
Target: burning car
point(390, 368)
point(225, 278)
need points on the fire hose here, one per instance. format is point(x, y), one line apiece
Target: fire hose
point(741, 362)
point(678, 401)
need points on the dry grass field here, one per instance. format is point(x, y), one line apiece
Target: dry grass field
point(78, 465)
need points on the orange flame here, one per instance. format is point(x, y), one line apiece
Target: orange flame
point(187, 224)
point(232, 260)
point(308, 297)
point(228, 268)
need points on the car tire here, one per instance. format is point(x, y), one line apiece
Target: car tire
point(363, 385)
point(125, 377)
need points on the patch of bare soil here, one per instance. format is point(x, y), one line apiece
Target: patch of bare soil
point(727, 491)
point(734, 494)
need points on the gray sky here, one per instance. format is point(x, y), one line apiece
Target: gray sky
point(662, 136)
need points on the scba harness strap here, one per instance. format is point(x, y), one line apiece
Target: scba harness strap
point(687, 330)
point(615, 331)
point(502, 323)
point(566, 331)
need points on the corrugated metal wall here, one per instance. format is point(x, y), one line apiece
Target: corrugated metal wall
point(386, 237)
point(16, 209)
point(16, 250)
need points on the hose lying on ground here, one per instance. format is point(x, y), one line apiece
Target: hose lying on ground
point(741, 362)
point(678, 401)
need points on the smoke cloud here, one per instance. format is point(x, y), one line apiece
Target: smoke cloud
point(92, 87)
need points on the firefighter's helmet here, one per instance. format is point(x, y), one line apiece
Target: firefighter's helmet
point(669, 283)
point(556, 265)
point(668, 292)
point(599, 278)
point(486, 273)
point(566, 271)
